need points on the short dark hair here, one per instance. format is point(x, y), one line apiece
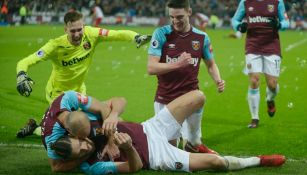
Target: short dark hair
point(62, 147)
point(178, 4)
point(72, 16)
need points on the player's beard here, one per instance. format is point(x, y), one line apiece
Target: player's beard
point(76, 40)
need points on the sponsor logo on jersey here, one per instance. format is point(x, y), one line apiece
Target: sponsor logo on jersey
point(171, 46)
point(195, 45)
point(40, 53)
point(193, 61)
point(87, 45)
point(178, 165)
point(258, 19)
point(250, 9)
point(154, 44)
point(74, 60)
point(82, 99)
point(270, 8)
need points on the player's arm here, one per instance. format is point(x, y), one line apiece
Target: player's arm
point(134, 163)
point(60, 165)
point(116, 107)
point(236, 20)
point(211, 66)
point(282, 15)
point(122, 35)
point(154, 67)
point(24, 82)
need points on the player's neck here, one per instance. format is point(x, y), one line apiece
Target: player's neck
point(62, 118)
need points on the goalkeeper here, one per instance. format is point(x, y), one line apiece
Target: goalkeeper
point(71, 55)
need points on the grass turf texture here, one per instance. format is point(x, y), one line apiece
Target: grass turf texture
point(119, 69)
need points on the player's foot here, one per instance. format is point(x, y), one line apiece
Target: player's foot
point(198, 148)
point(272, 160)
point(27, 129)
point(254, 123)
point(271, 108)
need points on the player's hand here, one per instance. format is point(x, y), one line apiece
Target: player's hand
point(109, 125)
point(220, 86)
point(123, 141)
point(141, 40)
point(24, 84)
point(274, 23)
point(184, 60)
point(242, 27)
point(111, 150)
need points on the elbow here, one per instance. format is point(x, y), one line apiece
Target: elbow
point(151, 70)
point(136, 168)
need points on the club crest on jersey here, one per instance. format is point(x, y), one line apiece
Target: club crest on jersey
point(250, 9)
point(178, 165)
point(270, 8)
point(171, 46)
point(87, 45)
point(195, 45)
point(82, 99)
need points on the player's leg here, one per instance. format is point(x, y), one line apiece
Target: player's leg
point(191, 134)
point(215, 162)
point(254, 66)
point(185, 105)
point(271, 70)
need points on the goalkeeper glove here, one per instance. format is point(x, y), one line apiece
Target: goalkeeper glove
point(141, 40)
point(274, 23)
point(24, 84)
point(242, 27)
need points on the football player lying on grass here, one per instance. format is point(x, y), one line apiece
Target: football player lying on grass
point(146, 146)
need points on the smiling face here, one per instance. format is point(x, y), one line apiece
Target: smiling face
point(74, 31)
point(180, 18)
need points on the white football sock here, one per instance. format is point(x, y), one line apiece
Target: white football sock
point(191, 128)
point(235, 163)
point(270, 95)
point(253, 98)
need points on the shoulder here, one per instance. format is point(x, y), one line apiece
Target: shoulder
point(164, 29)
point(199, 32)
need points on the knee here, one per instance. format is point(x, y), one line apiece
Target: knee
point(218, 163)
point(254, 81)
point(199, 98)
point(272, 84)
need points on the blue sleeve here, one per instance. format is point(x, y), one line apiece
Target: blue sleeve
point(57, 132)
point(239, 15)
point(73, 100)
point(99, 168)
point(282, 15)
point(157, 41)
point(207, 49)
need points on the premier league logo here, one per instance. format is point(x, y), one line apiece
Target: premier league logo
point(195, 45)
point(270, 8)
point(87, 45)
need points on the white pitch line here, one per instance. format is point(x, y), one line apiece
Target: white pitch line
point(294, 45)
point(41, 146)
point(19, 145)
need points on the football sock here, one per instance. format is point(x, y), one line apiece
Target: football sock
point(253, 99)
point(235, 163)
point(192, 128)
point(38, 131)
point(271, 94)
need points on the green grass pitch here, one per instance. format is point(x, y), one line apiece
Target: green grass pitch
point(119, 69)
